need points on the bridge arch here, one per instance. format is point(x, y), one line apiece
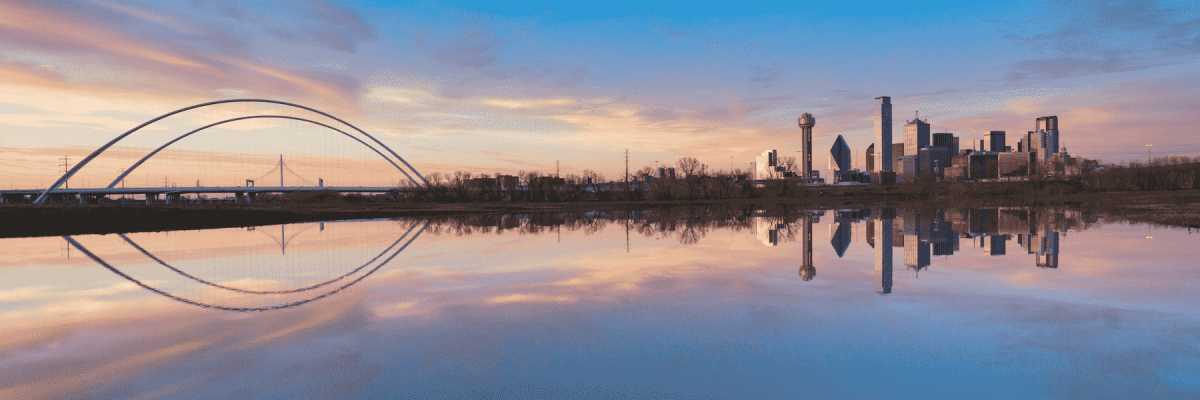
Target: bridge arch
point(46, 193)
point(164, 146)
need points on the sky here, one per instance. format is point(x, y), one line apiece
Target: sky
point(489, 87)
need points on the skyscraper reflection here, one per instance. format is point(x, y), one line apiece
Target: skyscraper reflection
point(883, 252)
point(924, 233)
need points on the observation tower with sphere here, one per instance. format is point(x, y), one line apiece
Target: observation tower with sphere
point(806, 123)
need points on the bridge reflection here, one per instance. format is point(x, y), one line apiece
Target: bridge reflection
point(367, 267)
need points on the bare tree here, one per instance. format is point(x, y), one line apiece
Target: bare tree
point(647, 170)
point(789, 165)
point(689, 165)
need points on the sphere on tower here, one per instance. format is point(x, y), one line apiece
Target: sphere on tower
point(807, 120)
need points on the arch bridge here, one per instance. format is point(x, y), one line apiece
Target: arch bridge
point(242, 193)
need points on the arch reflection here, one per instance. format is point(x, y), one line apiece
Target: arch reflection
point(79, 246)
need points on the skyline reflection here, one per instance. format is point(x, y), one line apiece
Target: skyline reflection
point(688, 302)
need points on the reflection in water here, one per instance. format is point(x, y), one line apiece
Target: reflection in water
point(282, 243)
point(921, 233)
point(671, 303)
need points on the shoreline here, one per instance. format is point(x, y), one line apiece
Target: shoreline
point(1172, 208)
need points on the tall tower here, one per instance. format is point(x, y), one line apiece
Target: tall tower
point(806, 123)
point(883, 132)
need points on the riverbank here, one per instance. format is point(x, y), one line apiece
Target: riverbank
point(1174, 208)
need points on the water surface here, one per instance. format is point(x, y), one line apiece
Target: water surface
point(985, 303)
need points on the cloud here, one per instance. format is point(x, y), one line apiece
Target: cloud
point(119, 51)
point(477, 49)
point(763, 77)
point(1083, 37)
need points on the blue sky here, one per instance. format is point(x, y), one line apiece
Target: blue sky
point(499, 87)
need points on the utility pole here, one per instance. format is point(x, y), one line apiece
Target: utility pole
point(556, 168)
point(165, 181)
point(67, 184)
point(627, 169)
point(281, 170)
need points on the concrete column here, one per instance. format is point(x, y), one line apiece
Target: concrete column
point(253, 196)
point(239, 197)
point(151, 198)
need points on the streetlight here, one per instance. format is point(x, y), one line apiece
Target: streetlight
point(1148, 153)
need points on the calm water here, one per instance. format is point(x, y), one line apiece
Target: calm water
point(992, 303)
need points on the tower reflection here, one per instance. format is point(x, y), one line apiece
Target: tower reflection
point(926, 233)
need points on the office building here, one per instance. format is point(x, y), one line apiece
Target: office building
point(934, 160)
point(916, 136)
point(840, 154)
point(994, 141)
point(1015, 164)
point(883, 131)
point(766, 166)
point(1048, 128)
point(947, 140)
point(871, 158)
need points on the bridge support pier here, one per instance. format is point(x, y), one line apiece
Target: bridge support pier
point(151, 198)
point(252, 196)
point(63, 199)
point(239, 197)
point(173, 198)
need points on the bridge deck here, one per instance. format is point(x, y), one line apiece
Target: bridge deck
point(190, 190)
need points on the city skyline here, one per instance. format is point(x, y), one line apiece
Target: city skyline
point(472, 87)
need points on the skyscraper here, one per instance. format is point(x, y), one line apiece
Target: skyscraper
point(945, 140)
point(841, 154)
point(916, 136)
point(806, 123)
point(994, 140)
point(1048, 126)
point(883, 131)
point(871, 158)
